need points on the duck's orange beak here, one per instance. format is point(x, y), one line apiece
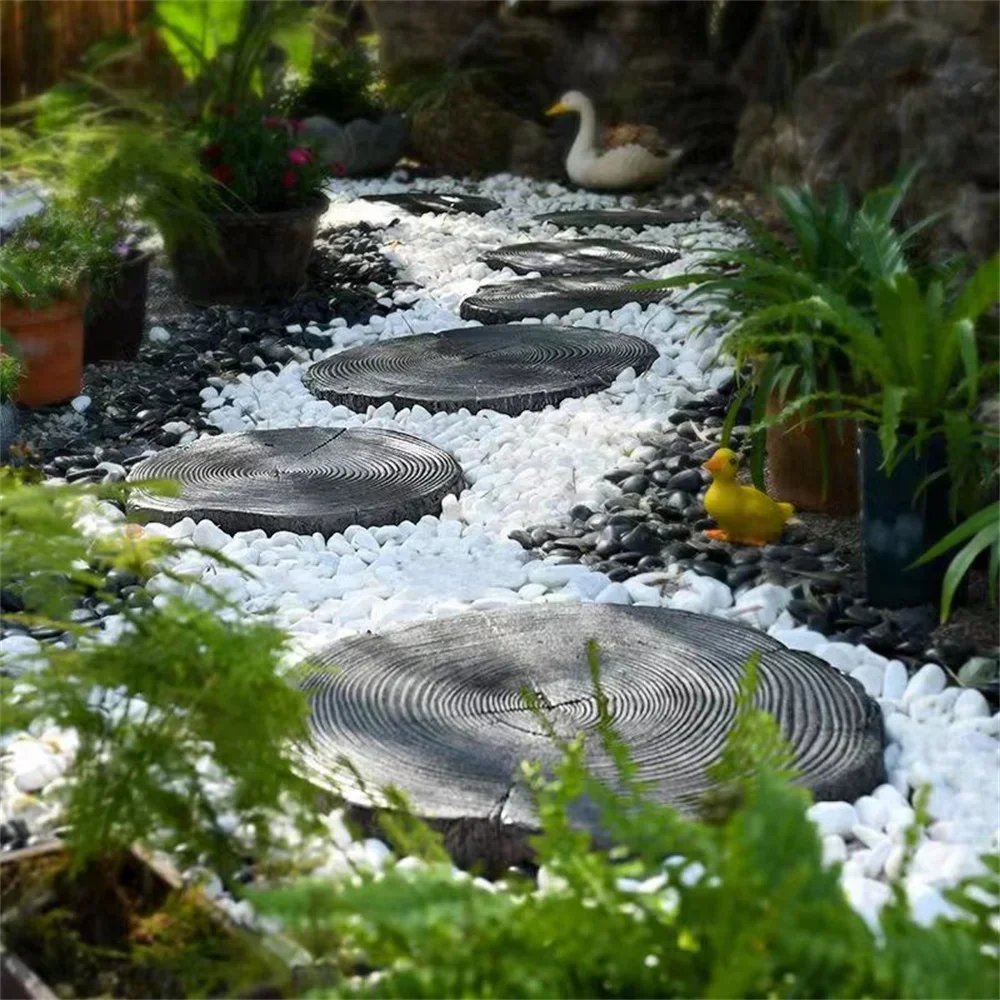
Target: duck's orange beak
point(713, 465)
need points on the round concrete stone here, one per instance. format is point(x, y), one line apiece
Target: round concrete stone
point(505, 368)
point(438, 711)
point(538, 297)
point(440, 202)
point(304, 479)
point(624, 218)
point(579, 257)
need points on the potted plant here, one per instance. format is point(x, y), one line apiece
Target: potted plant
point(828, 244)
point(136, 171)
point(271, 184)
point(918, 364)
point(269, 178)
point(48, 264)
point(156, 756)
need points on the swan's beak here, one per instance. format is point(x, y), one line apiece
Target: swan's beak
point(559, 109)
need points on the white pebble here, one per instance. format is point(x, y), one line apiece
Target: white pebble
point(81, 403)
point(833, 817)
point(929, 679)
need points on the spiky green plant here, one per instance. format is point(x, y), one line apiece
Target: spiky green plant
point(833, 246)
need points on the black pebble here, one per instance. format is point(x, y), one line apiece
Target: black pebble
point(689, 481)
point(634, 484)
point(522, 538)
point(803, 563)
point(709, 568)
point(642, 541)
point(739, 575)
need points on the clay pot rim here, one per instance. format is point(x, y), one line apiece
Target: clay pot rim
point(315, 206)
point(12, 311)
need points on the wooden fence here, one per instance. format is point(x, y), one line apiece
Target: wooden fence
point(43, 41)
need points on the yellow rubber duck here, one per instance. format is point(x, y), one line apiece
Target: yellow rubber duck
point(744, 514)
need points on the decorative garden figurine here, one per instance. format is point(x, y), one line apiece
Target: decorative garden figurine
point(744, 514)
point(633, 156)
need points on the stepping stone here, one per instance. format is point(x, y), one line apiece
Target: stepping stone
point(514, 300)
point(437, 710)
point(627, 218)
point(579, 257)
point(422, 202)
point(303, 479)
point(505, 368)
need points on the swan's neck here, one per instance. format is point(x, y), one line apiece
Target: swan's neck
point(585, 143)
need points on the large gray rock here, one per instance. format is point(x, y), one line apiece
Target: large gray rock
point(361, 147)
point(908, 90)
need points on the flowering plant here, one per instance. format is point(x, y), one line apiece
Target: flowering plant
point(262, 163)
point(51, 254)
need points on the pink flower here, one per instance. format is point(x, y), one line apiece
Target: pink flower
point(338, 168)
point(289, 178)
point(273, 122)
point(212, 153)
point(300, 156)
point(296, 124)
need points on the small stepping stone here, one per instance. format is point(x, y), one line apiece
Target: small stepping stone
point(437, 710)
point(579, 257)
point(303, 479)
point(505, 368)
point(423, 202)
point(627, 218)
point(538, 297)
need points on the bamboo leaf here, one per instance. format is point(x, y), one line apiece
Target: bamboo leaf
point(960, 565)
point(893, 402)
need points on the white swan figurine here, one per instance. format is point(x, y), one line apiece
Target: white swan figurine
point(626, 166)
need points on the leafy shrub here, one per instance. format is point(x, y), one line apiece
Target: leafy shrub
point(342, 84)
point(737, 904)
point(51, 254)
point(11, 371)
point(226, 48)
point(162, 708)
point(832, 245)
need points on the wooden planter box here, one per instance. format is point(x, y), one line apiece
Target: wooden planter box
point(20, 982)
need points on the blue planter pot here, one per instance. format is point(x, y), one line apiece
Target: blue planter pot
point(900, 522)
point(10, 422)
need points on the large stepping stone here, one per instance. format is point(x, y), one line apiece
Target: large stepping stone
point(505, 368)
point(304, 479)
point(424, 202)
point(627, 218)
point(538, 297)
point(579, 257)
point(437, 710)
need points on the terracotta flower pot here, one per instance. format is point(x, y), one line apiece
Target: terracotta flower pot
point(113, 326)
point(51, 344)
point(261, 256)
point(794, 461)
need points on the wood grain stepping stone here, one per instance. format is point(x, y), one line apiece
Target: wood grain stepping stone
point(440, 202)
point(505, 368)
point(538, 297)
point(437, 710)
point(579, 257)
point(627, 218)
point(303, 479)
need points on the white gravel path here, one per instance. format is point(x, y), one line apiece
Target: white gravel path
point(526, 469)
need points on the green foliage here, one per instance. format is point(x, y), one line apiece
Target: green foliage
point(162, 710)
point(739, 906)
point(119, 151)
point(52, 253)
point(833, 247)
point(979, 532)
point(234, 51)
point(342, 84)
point(11, 371)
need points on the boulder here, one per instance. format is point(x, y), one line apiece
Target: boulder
point(904, 90)
point(361, 147)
